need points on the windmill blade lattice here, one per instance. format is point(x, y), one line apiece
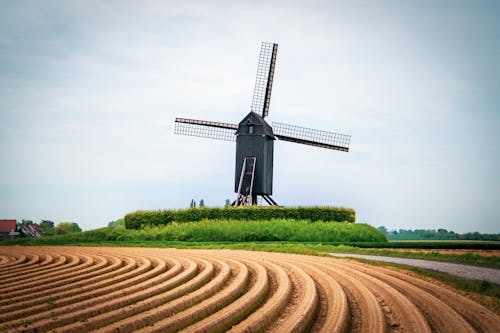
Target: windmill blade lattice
point(312, 137)
point(205, 129)
point(264, 79)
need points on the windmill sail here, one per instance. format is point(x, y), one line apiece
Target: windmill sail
point(312, 137)
point(264, 79)
point(205, 129)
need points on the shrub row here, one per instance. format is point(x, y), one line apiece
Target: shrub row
point(228, 231)
point(139, 219)
point(268, 230)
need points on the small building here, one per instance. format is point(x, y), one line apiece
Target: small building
point(8, 229)
point(32, 230)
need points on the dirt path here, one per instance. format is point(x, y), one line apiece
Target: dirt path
point(108, 289)
point(465, 271)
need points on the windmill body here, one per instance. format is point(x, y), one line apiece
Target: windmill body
point(255, 137)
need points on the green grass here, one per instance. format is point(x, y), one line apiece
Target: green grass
point(291, 236)
point(230, 231)
point(297, 236)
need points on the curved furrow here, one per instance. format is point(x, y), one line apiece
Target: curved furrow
point(38, 273)
point(58, 283)
point(212, 299)
point(398, 310)
point(142, 313)
point(440, 316)
point(65, 261)
point(481, 319)
point(213, 277)
point(80, 302)
point(366, 313)
point(241, 307)
point(4, 260)
point(336, 313)
point(131, 273)
point(82, 311)
point(266, 314)
point(14, 261)
point(299, 317)
point(111, 289)
point(83, 262)
point(28, 260)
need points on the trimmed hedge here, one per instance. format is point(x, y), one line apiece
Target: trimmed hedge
point(139, 219)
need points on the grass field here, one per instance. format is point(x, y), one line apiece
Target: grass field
point(290, 236)
point(254, 236)
point(234, 231)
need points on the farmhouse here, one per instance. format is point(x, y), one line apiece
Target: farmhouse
point(8, 229)
point(32, 230)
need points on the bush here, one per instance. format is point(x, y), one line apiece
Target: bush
point(231, 231)
point(139, 219)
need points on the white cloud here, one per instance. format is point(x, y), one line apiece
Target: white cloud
point(89, 92)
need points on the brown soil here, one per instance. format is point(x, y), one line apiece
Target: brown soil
point(78, 289)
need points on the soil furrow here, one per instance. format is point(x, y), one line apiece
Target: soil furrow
point(211, 301)
point(100, 285)
point(264, 316)
point(81, 311)
point(240, 308)
point(112, 289)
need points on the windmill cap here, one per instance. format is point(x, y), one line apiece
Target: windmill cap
point(256, 120)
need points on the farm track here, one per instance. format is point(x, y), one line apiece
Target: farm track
point(108, 289)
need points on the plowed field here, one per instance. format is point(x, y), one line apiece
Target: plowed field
point(108, 289)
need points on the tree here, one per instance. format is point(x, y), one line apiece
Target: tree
point(47, 227)
point(26, 222)
point(228, 202)
point(192, 204)
point(202, 203)
point(120, 223)
point(383, 230)
point(64, 228)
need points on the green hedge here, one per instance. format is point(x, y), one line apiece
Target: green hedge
point(139, 219)
point(225, 231)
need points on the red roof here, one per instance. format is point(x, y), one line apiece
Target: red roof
point(7, 225)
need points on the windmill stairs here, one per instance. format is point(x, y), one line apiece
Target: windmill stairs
point(245, 188)
point(246, 197)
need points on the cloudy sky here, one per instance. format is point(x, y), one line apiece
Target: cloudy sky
point(89, 91)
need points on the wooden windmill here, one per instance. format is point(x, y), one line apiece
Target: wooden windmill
point(255, 137)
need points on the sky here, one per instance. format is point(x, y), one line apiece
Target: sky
point(89, 91)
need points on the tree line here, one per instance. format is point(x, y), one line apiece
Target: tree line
point(433, 234)
point(49, 228)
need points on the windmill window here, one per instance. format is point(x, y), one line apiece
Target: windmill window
point(250, 129)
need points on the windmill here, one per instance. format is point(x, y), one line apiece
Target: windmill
point(255, 137)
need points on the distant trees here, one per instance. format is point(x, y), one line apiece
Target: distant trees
point(47, 227)
point(120, 223)
point(432, 234)
point(64, 228)
point(193, 203)
point(383, 230)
